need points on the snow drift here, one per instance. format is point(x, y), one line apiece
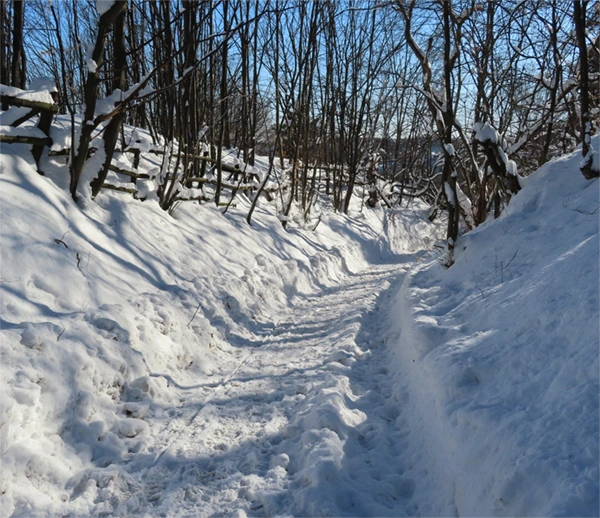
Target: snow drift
point(106, 305)
point(471, 390)
point(500, 353)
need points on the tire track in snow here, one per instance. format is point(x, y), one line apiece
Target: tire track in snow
point(257, 443)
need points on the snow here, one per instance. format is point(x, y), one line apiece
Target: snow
point(43, 83)
point(60, 133)
point(43, 94)
point(13, 114)
point(449, 194)
point(501, 354)
point(510, 165)
point(193, 365)
point(103, 6)
point(591, 157)
point(21, 131)
point(190, 363)
point(485, 133)
point(92, 66)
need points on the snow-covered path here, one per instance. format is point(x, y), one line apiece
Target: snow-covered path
point(303, 424)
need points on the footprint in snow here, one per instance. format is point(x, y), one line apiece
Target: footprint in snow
point(343, 357)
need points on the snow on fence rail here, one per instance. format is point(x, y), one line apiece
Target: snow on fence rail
point(40, 99)
point(134, 175)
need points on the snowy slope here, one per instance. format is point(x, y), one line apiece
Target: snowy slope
point(192, 365)
point(500, 354)
point(114, 311)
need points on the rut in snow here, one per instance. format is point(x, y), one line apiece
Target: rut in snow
point(305, 423)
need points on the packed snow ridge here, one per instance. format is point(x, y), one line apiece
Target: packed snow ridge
point(193, 365)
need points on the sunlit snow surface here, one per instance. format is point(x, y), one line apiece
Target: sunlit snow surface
point(500, 354)
point(195, 366)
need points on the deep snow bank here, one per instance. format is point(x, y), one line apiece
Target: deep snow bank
point(104, 306)
point(500, 353)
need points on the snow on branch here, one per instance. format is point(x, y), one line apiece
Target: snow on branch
point(497, 158)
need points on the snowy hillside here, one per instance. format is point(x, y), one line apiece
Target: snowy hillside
point(500, 353)
point(108, 310)
point(197, 366)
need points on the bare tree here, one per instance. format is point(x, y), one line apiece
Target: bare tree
point(18, 56)
point(90, 93)
point(111, 132)
point(4, 46)
point(587, 165)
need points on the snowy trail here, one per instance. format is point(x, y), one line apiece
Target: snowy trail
point(303, 424)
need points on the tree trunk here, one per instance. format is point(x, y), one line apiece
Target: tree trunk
point(4, 61)
point(91, 84)
point(448, 171)
point(587, 165)
point(111, 133)
point(17, 77)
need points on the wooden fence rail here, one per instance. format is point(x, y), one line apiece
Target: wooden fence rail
point(46, 111)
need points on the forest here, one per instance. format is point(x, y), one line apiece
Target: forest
point(299, 258)
point(444, 100)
